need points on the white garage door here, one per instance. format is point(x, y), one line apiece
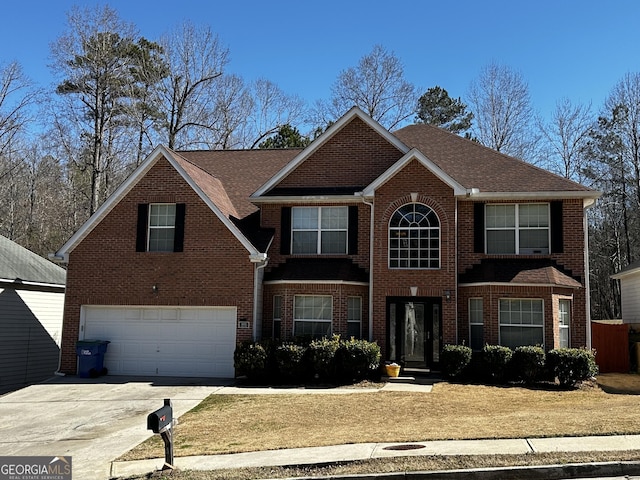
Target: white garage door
point(168, 341)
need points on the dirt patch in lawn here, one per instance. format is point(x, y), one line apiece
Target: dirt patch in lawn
point(244, 423)
point(620, 383)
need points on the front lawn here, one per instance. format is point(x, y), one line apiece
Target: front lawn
point(244, 423)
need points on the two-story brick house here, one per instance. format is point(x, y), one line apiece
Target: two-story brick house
point(413, 239)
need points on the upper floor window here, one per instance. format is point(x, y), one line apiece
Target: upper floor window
point(414, 237)
point(319, 230)
point(518, 228)
point(160, 227)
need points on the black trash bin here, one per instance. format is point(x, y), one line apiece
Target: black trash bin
point(91, 358)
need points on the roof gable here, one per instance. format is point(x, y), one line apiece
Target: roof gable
point(207, 188)
point(413, 154)
point(330, 145)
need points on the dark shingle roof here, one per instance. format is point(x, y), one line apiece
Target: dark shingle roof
point(241, 172)
point(320, 269)
point(473, 165)
point(18, 263)
point(521, 271)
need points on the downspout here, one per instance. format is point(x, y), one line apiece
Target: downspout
point(260, 264)
point(371, 230)
point(455, 263)
point(587, 282)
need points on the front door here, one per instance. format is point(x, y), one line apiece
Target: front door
point(415, 332)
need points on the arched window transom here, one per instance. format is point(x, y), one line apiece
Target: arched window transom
point(414, 237)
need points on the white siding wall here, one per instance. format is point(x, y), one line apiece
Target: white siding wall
point(630, 291)
point(48, 307)
point(30, 331)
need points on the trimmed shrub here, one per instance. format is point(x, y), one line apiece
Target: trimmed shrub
point(496, 360)
point(357, 360)
point(528, 363)
point(289, 359)
point(250, 359)
point(321, 355)
point(454, 359)
point(572, 365)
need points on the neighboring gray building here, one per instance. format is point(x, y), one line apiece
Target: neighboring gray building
point(630, 292)
point(31, 307)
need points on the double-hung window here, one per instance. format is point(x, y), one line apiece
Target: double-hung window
point(354, 317)
point(564, 321)
point(518, 228)
point(319, 230)
point(521, 322)
point(277, 316)
point(162, 225)
point(476, 324)
point(312, 315)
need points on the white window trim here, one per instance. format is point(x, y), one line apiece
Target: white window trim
point(390, 229)
point(158, 227)
point(471, 323)
point(276, 318)
point(516, 228)
point(566, 327)
point(315, 320)
point(500, 325)
point(359, 321)
point(319, 230)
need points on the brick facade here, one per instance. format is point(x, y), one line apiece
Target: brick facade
point(105, 269)
point(214, 268)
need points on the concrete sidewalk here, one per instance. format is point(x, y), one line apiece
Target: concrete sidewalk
point(365, 451)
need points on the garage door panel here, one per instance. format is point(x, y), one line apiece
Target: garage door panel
point(165, 341)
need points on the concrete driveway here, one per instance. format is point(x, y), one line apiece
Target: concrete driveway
point(92, 420)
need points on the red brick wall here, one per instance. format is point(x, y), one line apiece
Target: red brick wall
point(339, 292)
point(571, 259)
point(270, 218)
point(491, 294)
point(355, 156)
point(414, 178)
point(105, 269)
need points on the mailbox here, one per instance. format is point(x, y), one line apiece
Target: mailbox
point(161, 419)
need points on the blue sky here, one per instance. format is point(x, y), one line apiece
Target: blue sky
point(562, 48)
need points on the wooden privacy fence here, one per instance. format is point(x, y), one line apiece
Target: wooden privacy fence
point(611, 343)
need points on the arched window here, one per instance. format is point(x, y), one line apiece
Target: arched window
point(414, 237)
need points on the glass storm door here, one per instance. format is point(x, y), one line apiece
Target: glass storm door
point(415, 332)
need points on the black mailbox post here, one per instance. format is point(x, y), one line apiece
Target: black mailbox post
point(161, 421)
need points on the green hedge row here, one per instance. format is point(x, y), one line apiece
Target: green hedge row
point(529, 364)
point(330, 360)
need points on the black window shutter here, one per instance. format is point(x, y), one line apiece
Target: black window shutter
point(353, 230)
point(141, 232)
point(478, 227)
point(285, 231)
point(557, 241)
point(178, 233)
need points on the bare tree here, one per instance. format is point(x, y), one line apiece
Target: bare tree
point(499, 99)
point(95, 59)
point(272, 109)
point(16, 96)
point(566, 136)
point(377, 85)
point(196, 60)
